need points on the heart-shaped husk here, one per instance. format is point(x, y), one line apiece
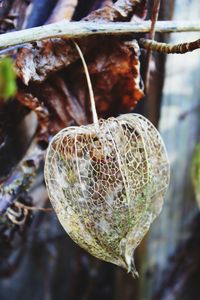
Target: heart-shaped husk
point(107, 185)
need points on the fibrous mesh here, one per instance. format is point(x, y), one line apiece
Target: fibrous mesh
point(107, 185)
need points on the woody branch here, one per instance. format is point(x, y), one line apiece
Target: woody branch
point(68, 30)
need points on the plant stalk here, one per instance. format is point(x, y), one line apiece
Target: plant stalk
point(154, 18)
point(91, 93)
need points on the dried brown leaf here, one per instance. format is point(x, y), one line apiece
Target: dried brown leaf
point(41, 111)
point(122, 10)
point(42, 58)
point(100, 4)
point(53, 94)
point(113, 65)
point(115, 73)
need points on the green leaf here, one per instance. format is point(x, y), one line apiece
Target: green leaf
point(8, 86)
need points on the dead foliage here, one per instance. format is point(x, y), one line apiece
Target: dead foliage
point(113, 65)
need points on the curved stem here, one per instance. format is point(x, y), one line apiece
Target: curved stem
point(92, 101)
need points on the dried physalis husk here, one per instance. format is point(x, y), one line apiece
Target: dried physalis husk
point(107, 185)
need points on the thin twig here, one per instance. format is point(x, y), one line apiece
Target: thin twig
point(66, 29)
point(154, 18)
point(34, 208)
point(22, 177)
point(92, 100)
point(169, 48)
point(155, 12)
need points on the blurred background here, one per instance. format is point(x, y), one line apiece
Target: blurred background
point(37, 258)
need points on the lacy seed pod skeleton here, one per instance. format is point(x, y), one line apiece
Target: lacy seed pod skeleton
point(108, 186)
point(106, 182)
